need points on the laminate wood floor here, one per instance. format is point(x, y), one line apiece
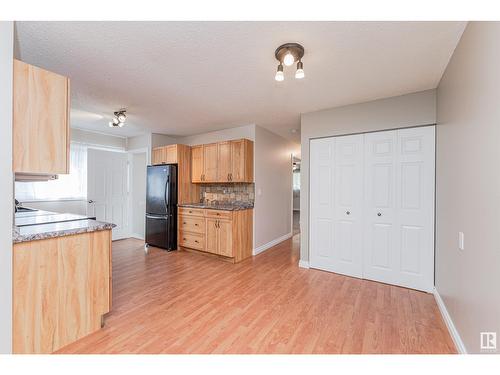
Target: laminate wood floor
point(182, 302)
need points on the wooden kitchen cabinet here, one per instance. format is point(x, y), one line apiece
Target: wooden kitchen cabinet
point(41, 131)
point(197, 164)
point(228, 161)
point(210, 162)
point(224, 161)
point(226, 234)
point(242, 161)
point(164, 155)
point(61, 290)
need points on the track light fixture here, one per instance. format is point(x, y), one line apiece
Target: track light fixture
point(287, 54)
point(119, 118)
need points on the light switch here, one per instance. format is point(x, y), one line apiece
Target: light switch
point(259, 191)
point(461, 240)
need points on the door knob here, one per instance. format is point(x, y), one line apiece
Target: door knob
point(91, 201)
point(379, 214)
point(348, 212)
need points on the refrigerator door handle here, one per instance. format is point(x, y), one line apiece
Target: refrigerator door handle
point(167, 193)
point(156, 217)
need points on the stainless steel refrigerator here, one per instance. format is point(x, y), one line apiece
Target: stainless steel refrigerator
point(161, 206)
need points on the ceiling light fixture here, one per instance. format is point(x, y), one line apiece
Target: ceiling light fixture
point(287, 54)
point(118, 119)
point(279, 74)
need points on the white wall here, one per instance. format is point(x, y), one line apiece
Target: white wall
point(138, 172)
point(391, 113)
point(98, 139)
point(6, 194)
point(247, 132)
point(468, 184)
point(273, 187)
point(158, 140)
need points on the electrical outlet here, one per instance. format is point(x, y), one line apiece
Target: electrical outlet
point(461, 240)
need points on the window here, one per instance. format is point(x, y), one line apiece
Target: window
point(69, 186)
point(296, 180)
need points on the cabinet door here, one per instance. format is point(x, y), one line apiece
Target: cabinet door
point(225, 245)
point(210, 163)
point(40, 120)
point(238, 161)
point(157, 157)
point(211, 236)
point(171, 154)
point(197, 163)
point(223, 161)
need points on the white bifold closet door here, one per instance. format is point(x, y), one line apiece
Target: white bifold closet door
point(372, 206)
point(337, 204)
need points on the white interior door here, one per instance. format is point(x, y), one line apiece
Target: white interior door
point(372, 206)
point(107, 189)
point(380, 207)
point(337, 204)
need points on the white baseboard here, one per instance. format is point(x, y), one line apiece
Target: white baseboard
point(303, 263)
point(459, 344)
point(272, 243)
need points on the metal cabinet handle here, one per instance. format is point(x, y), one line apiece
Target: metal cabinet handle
point(228, 177)
point(196, 241)
point(194, 224)
point(90, 201)
point(183, 222)
point(379, 214)
point(348, 212)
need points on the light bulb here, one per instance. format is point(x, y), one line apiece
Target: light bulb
point(120, 124)
point(279, 74)
point(299, 73)
point(115, 121)
point(111, 124)
point(122, 117)
point(288, 59)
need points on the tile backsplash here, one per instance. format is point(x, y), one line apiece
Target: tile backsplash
point(234, 192)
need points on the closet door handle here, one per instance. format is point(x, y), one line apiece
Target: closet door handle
point(348, 212)
point(379, 214)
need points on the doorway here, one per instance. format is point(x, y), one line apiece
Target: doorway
point(296, 195)
point(107, 189)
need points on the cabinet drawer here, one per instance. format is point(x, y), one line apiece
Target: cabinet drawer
point(220, 214)
point(192, 240)
point(191, 224)
point(190, 211)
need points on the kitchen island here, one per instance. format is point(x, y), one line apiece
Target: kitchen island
point(61, 279)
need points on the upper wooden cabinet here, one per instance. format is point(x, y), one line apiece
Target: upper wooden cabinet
point(229, 161)
point(41, 132)
point(197, 164)
point(210, 162)
point(164, 155)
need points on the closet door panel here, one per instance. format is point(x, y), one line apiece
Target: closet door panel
point(415, 204)
point(337, 204)
point(348, 205)
point(380, 206)
point(322, 204)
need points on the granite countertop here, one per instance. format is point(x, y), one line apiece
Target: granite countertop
point(51, 230)
point(230, 206)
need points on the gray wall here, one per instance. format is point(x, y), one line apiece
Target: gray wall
point(6, 59)
point(273, 186)
point(396, 112)
point(468, 184)
point(138, 174)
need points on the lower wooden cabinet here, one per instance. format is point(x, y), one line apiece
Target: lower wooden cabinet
point(225, 233)
point(61, 290)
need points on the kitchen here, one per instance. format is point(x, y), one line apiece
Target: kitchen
point(208, 202)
